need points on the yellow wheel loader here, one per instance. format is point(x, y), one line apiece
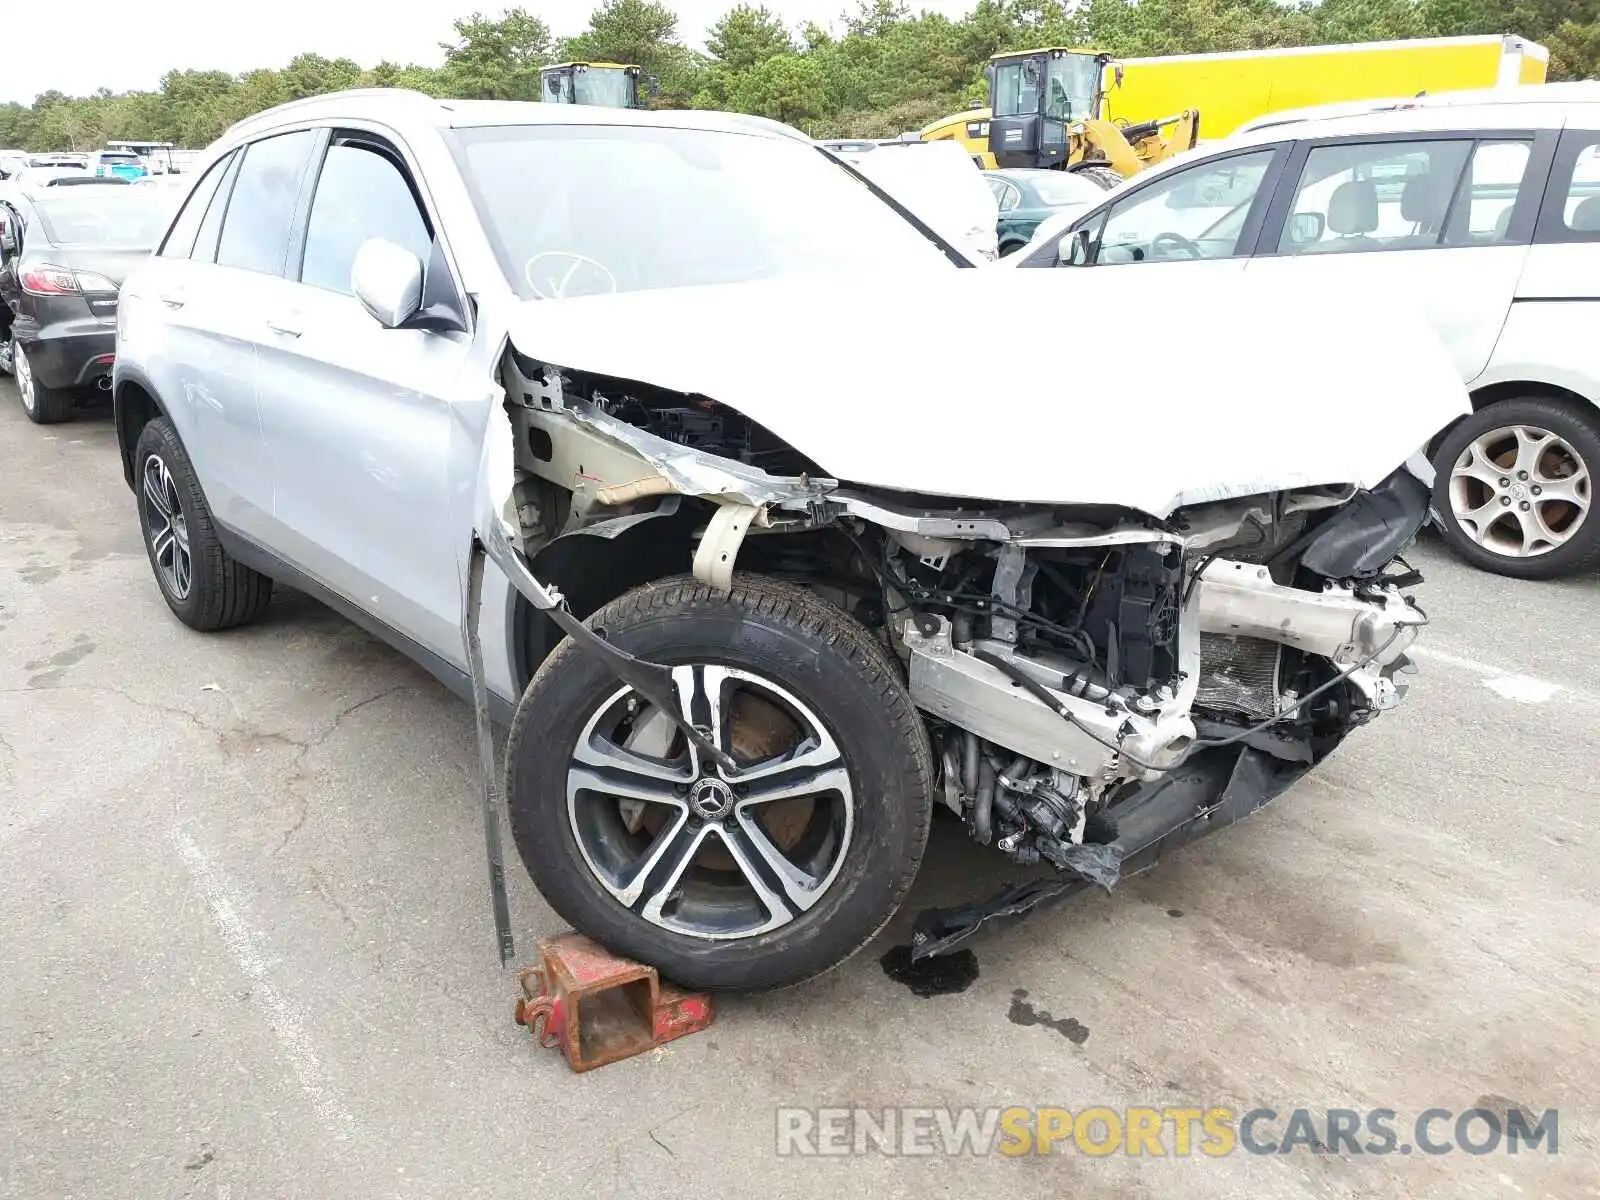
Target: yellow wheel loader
point(607, 84)
point(1048, 109)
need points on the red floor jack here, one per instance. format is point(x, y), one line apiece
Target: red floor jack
point(600, 1008)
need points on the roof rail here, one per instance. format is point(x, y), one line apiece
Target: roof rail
point(411, 95)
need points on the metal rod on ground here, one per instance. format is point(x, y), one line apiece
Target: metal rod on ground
point(486, 768)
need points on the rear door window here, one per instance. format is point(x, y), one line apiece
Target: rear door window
point(1389, 195)
point(1572, 199)
point(1481, 215)
point(205, 242)
point(256, 229)
point(181, 238)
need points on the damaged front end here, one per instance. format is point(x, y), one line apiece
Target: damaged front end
point(1098, 684)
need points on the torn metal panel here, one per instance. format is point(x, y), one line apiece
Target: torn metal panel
point(719, 545)
point(589, 449)
point(1242, 599)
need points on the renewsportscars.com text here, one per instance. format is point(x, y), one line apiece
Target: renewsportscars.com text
point(1163, 1132)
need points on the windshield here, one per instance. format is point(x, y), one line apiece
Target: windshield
point(1016, 88)
point(574, 210)
point(608, 87)
point(1063, 187)
point(1071, 81)
point(125, 220)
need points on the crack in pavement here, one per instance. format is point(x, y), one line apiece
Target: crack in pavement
point(234, 740)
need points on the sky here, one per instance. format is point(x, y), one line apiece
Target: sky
point(77, 46)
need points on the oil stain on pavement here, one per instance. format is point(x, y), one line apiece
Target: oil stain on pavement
point(941, 975)
point(1024, 1013)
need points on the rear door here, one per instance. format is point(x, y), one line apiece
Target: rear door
point(202, 296)
point(356, 417)
point(1441, 218)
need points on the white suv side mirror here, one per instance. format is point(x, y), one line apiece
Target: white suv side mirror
point(387, 279)
point(1074, 249)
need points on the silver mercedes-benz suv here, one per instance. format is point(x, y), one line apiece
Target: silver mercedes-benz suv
point(635, 428)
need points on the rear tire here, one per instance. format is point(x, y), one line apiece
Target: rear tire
point(205, 588)
point(1533, 452)
point(864, 784)
point(44, 405)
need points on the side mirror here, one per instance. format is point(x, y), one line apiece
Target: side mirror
point(387, 279)
point(1116, 74)
point(1075, 249)
point(1306, 227)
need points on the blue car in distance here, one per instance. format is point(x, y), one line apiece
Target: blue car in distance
point(121, 164)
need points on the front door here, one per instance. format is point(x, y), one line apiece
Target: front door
point(357, 418)
point(1201, 218)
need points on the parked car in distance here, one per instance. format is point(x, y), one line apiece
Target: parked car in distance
point(1487, 214)
point(1028, 197)
point(117, 164)
point(11, 161)
point(63, 257)
point(34, 179)
point(530, 371)
point(78, 162)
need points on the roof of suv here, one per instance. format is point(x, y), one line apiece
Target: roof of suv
point(401, 105)
point(1544, 106)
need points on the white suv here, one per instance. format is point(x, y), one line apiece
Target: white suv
point(1484, 209)
point(563, 402)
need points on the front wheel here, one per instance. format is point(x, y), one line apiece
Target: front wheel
point(752, 878)
point(1514, 488)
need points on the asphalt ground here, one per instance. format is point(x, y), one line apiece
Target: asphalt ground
point(246, 951)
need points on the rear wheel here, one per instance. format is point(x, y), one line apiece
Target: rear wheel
point(1514, 487)
point(204, 587)
point(44, 405)
point(751, 878)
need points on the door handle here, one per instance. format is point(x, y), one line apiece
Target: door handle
point(171, 301)
point(288, 324)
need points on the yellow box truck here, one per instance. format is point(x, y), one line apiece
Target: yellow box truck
point(1230, 89)
point(1233, 88)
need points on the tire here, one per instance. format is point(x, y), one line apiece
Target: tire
point(44, 405)
point(215, 592)
point(705, 931)
point(1009, 248)
point(1558, 448)
point(1106, 177)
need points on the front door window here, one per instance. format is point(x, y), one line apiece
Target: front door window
point(1196, 213)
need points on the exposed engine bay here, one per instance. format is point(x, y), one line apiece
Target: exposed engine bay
point(1096, 682)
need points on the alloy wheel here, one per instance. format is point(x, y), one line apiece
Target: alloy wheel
point(22, 370)
point(166, 528)
point(696, 849)
point(1520, 491)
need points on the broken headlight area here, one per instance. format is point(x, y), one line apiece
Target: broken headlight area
point(1063, 671)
